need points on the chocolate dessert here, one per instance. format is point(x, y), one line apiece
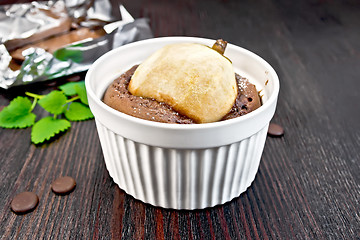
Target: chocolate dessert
point(118, 97)
point(184, 83)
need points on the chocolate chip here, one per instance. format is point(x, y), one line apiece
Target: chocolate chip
point(63, 185)
point(24, 202)
point(275, 130)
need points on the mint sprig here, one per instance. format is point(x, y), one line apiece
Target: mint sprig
point(48, 127)
point(81, 92)
point(70, 102)
point(54, 102)
point(78, 112)
point(69, 88)
point(18, 114)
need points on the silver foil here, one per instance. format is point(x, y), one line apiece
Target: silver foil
point(40, 65)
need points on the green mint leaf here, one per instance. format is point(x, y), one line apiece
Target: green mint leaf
point(17, 114)
point(53, 102)
point(81, 91)
point(48, 127)
point(78, 112)
point(69, 88)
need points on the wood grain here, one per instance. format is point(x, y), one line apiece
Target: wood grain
point(308, 183)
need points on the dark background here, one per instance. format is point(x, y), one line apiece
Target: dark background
point(308, 183)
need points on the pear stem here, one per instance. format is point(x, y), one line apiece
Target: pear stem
point(220, 46)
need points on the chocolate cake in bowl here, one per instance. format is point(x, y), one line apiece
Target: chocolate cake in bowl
point(191, 163)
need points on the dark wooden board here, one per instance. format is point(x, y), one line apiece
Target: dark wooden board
point(308, 183)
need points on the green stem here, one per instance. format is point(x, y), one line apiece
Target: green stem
point(34, 95)
point(73, 99)
point(33, 104)
point(55, 115)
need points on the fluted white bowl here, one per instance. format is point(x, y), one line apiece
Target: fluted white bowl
point(181, 166)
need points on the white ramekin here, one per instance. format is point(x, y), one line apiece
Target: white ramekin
point(181, 166)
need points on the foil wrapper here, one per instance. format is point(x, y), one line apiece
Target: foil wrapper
point(22, 21)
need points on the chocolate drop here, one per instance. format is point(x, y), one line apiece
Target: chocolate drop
point(24, 202)
point(275, 130)
point(63, 185)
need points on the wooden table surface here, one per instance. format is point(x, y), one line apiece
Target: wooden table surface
point(308, 183)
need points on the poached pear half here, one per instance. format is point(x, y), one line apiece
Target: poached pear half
point(195, 80)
